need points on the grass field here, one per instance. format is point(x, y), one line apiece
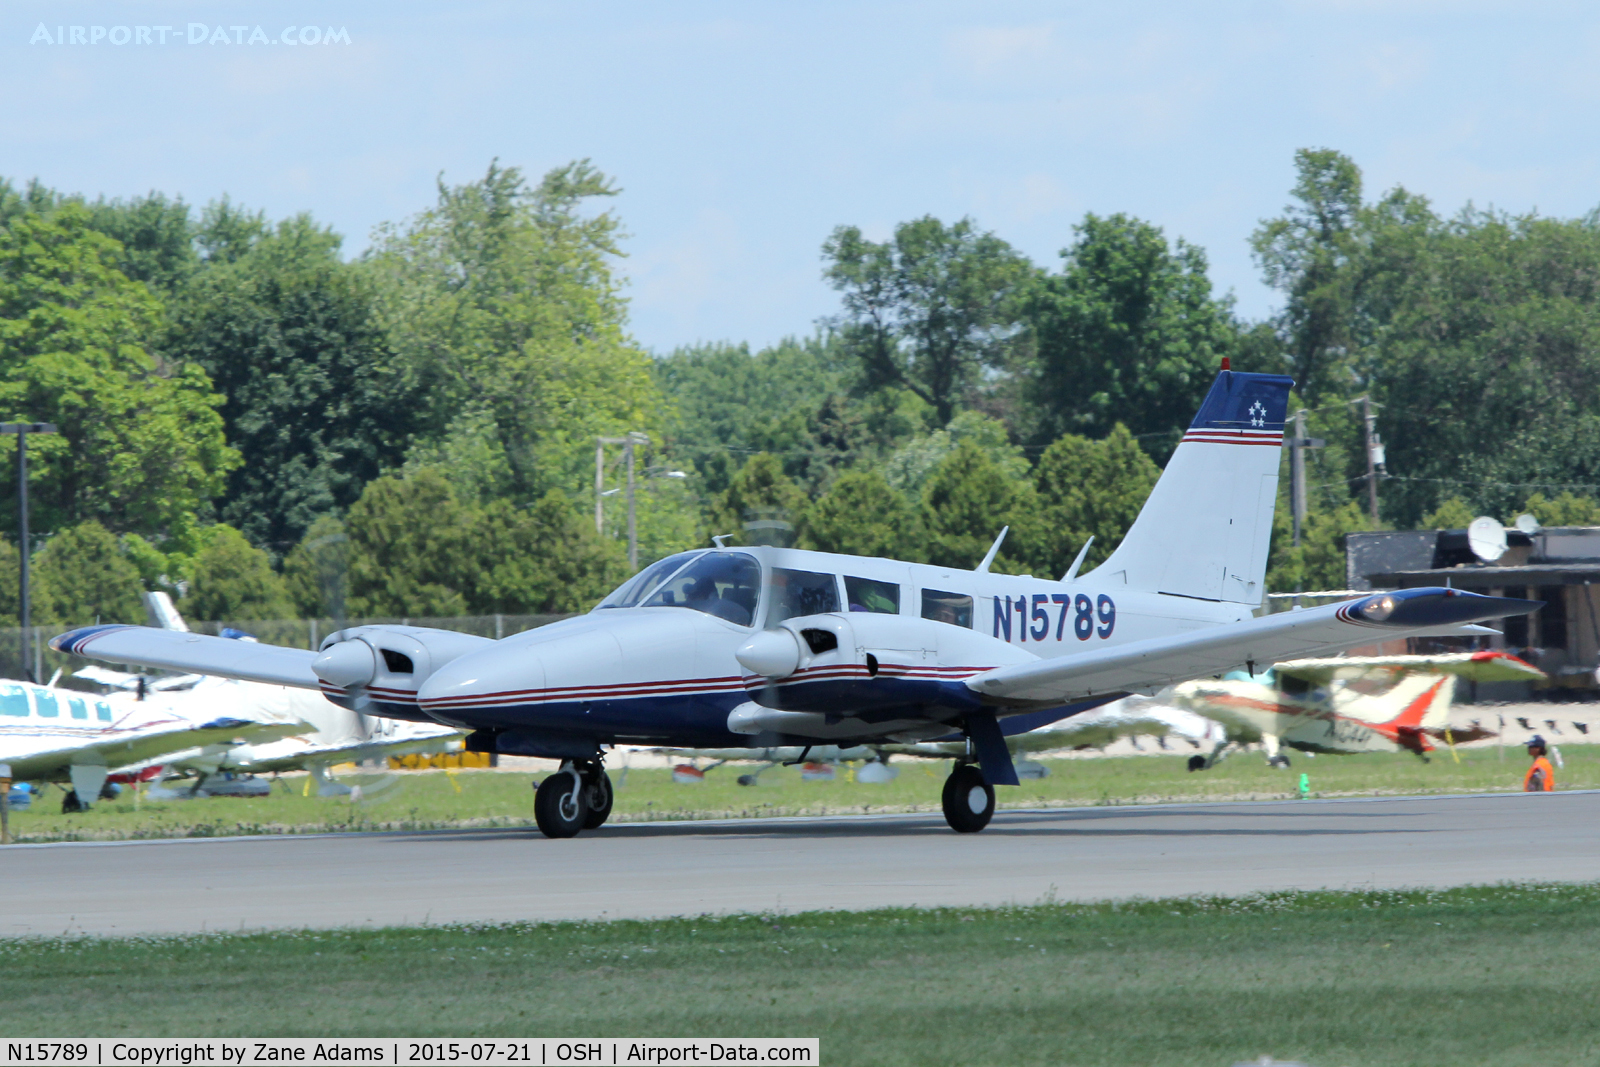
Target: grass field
point(1483, 976)
point(431, 800)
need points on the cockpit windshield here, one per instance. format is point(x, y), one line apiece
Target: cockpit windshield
point(647, 581)
point(724, 584)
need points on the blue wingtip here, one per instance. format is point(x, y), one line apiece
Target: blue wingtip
point(73, 641)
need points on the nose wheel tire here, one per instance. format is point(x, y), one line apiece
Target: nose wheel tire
point(597, 795)
point(968, 800)
point(560, 806)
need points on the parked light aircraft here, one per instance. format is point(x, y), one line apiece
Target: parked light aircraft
point(1354, 704)
point(324, 734)
point(762, 646)
point(59, 735)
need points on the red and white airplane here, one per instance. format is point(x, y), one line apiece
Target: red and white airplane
point(764, 646)
point(1347, 704)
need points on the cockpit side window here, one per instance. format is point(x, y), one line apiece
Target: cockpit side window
point(865, 594)
point(953, 608)
point(631, 592)
point(796, 593)
point(724, 584)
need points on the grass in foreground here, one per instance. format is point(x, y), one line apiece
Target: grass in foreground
point(1483, 976)
point(435, 800)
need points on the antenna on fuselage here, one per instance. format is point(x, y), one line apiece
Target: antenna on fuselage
point(718, 539)
point(1072, 571)
point(994, 550)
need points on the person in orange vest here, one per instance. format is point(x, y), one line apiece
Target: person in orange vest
point(1541, 777)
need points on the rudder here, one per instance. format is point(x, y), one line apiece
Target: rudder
point(1206, 527)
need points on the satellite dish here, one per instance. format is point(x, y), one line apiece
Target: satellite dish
point(1487, 538)
point(1527, 524)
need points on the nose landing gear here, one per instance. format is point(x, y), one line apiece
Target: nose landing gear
point(577, 797)
point(968, 799)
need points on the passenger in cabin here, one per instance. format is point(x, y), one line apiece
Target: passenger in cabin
point(864, 594)
point(952, 608)
point(797, 593)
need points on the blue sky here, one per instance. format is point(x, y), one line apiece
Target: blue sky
point(742, 133)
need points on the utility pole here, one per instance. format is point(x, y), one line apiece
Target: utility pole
point(24, 616)
point(1375, 456)
point(1297, 471)
point(628, 442)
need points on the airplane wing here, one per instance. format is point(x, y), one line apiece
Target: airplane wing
point(1488, 665)
point(297, 753)
point(140, 744)
point(178, 650)
point(1145, 666)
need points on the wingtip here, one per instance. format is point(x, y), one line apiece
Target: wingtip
point(73, 641)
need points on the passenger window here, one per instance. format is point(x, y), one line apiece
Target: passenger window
point(953, 608)
point(102, 711)
point(14, 701)
point(46, 700)
point(79, 709)
point(864, 594)
point(796, 593)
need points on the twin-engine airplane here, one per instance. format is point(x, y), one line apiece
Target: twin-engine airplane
point(765, 646)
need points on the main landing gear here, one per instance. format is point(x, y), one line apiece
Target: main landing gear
point(968, 800)
point(576, 797)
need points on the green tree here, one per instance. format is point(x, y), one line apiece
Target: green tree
point(862, 515)
point(546, 559)
point(1318, 563)
point(1453, 514)
point(928, 309)
point(141, 446)
point(908, 468)
point(81, 576)
point(316, 574)
point(1087, 489)
point(410, 548)
point(761, 506)
point(315, 397)
point(233, 579)
point(791, 400)
point(1567, 509)
point(10, 580)
point(1128, 332)
point(416, 549)
point(1487, 367)
point(966, 502)
point(503, 302)
point(1311, 252)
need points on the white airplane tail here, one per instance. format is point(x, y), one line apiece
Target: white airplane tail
point(1205, 529)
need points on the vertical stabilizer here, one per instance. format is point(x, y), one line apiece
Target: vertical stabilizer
point(1205, 529)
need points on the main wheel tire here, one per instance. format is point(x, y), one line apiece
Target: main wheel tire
point(1279, 760)
point(70, 803)
point(968, 800)
point(597, 797)
point(1197, 763)
point(560, 810)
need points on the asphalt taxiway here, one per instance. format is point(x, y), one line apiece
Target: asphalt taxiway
point(646, 870)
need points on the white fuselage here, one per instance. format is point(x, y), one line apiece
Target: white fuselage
point(666, 673)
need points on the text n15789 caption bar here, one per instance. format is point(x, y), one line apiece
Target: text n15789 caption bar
point(403, 1052)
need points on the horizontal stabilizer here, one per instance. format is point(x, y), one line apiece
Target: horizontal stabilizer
point(177, 650)
point(1144, 666)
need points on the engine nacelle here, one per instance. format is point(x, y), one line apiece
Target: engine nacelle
point(848, 664)
point(385, 665)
